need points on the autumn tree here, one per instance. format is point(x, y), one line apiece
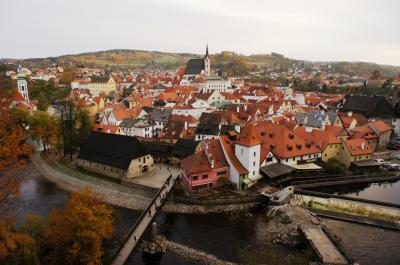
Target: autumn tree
point(44, 127)
point(16, 248)
point(14, 150)
point(68, 76)
point(85, 126)
point(43, 104)
point(75, 233)
point(67, 123)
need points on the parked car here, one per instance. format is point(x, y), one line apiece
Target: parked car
point(398, 157)
point(392, 166)
point(388, 164)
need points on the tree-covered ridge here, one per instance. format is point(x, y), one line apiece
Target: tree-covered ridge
point(227, 61)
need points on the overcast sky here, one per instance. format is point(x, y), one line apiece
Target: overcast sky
point(319, 30)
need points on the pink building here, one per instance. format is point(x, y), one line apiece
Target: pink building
point(205, 169)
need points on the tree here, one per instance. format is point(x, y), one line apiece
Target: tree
point(44, 128)
point(67, 123)
point(14, 150)
point(68, 76)
point(84, 127)
point(75, 233)
point(16, 248)
point(334, 166)
point(43, 104)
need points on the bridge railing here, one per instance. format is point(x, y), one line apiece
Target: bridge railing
point(143, 215)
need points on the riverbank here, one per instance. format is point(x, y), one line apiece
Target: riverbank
point(160, 244)
point(119, 195)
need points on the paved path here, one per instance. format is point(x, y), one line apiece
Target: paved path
point(143, 222)
point(324, 246)
point(103, 190)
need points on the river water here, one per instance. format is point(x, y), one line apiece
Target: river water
point(233, 238)
point(384, 192)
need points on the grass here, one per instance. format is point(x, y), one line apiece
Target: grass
point(356, 210)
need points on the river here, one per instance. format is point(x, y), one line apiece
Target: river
point(233, 238)
point(384, 192)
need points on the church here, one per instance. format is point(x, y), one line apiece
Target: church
point(21, 96)
point(198, 74)
point(198, 67)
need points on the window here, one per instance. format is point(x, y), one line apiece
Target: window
point(242, 151)
point(254, 173)
point(254, 154)
point(195, 177)
point(205, 176)
point(254, 163)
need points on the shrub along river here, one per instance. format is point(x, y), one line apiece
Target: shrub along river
point(238, 239)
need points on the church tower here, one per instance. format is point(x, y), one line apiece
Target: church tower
point(207, 63)
point(22, 84)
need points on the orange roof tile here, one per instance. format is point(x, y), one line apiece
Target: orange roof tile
point(248, 136)
point(358, 147)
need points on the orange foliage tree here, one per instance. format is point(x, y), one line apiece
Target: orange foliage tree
point(16, 248)
point(14, 149)
point(44, 127)
point(75, 233)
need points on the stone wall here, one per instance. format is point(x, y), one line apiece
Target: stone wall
point(228, 200)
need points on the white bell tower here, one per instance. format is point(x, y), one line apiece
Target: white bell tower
point(22, 84)
point(207, 63)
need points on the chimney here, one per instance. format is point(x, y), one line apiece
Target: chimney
point(186, 125)
point(394, 95)
point(212, 163)
point(362, 146)
point(349, 114)
point(237, 109)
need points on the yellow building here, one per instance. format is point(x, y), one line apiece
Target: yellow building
point(354, 150)
point(101, 85)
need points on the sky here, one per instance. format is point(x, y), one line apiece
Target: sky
point(316, 30)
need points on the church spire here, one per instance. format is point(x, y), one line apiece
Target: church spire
point(207, 50)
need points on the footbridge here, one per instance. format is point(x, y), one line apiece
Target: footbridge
point(143, 222)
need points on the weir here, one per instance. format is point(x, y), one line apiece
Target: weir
point(143, 222)
point(358, 210)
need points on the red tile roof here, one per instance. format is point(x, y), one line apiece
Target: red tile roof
point(358, 147)
point(200, 161)
point(248, 136)
point(229, 147)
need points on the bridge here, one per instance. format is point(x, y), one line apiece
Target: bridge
point(323, 246)
point(143, 222)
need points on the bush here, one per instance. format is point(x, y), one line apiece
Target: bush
point(334, 166)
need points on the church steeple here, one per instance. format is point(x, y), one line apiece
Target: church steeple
point(207, 63)
point(22, 85)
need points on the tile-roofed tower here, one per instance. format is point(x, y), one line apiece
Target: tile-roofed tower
point(22, 84)
point(248, 136)
point(248, 149)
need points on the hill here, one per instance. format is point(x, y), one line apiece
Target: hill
point(229, 62)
